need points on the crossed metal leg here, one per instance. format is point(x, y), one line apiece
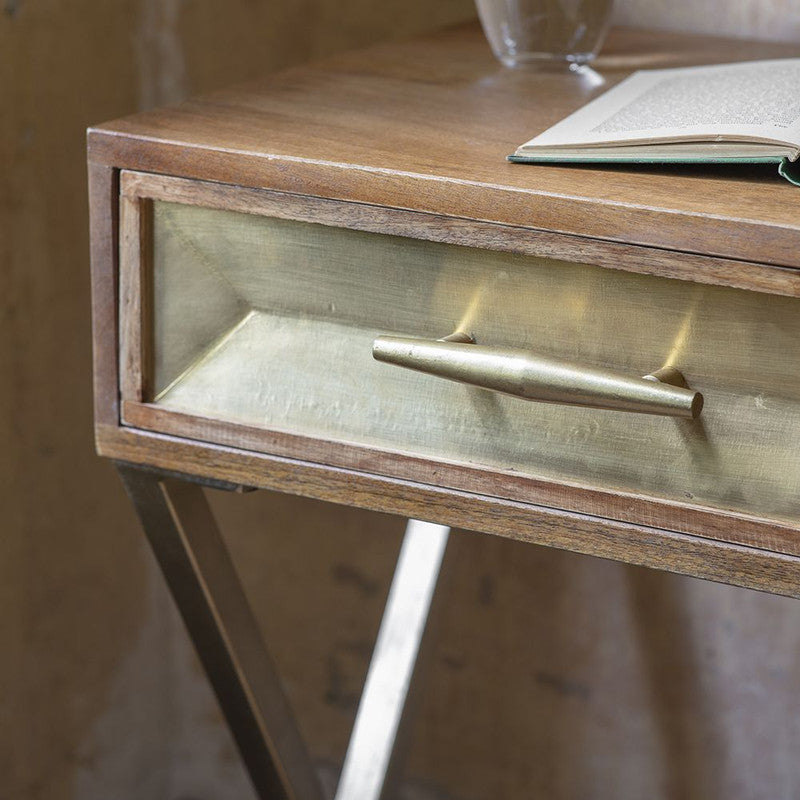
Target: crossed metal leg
point(197, 567)
point(373, 742)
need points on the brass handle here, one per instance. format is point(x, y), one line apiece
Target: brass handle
point(546, 380)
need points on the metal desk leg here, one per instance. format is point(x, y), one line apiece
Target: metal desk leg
point(196, 564)
point(373, 741)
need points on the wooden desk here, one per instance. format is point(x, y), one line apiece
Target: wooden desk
point(248, 248)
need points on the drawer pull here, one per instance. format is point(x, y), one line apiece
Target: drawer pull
point(545, 380)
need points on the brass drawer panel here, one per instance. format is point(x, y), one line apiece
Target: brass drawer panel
point(267, 324)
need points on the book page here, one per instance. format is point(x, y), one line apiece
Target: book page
point(755, 101)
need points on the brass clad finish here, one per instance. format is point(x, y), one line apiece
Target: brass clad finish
point(300, 305)
point(668, 375)
point(458, 336)
point(531, 377)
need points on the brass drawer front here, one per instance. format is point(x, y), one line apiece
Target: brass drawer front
point(268, 324)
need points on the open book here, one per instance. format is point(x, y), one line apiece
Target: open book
point(739, 113)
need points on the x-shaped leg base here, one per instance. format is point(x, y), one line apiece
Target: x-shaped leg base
point(196, 564)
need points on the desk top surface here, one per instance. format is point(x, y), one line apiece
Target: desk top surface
point(426, 125)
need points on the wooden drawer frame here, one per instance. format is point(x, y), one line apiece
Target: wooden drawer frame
point(673, 536)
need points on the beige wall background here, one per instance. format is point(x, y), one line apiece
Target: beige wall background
point(555, 675)
point(758, 19)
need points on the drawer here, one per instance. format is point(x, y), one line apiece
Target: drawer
point(248, 319)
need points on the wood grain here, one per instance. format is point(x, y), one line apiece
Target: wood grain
point(428, 126)
point(103, 193)
point(636, 544)
point(754, 276)
point(133, 294)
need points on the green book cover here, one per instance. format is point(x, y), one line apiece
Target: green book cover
point(743, 113)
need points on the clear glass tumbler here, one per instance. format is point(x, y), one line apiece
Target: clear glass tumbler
point(567, 32)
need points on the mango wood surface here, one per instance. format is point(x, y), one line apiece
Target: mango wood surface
point(103, 202)
point(757, 277)
point(135, 293)
point(635, 544)
point(427, 125)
